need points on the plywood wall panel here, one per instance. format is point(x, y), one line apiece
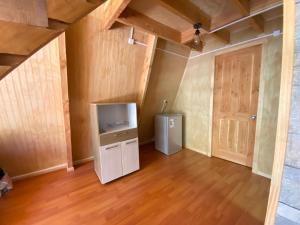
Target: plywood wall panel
point(102, 67)
point(31, 115)
point(194, 101)
point(165, 77)
point(268, 110)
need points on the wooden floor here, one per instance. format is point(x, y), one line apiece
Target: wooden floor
point(185, 189)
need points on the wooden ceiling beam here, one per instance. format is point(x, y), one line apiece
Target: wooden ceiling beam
point(112, 10)
point(243, 6)
point(98, 2)
point(187, 36)
point(187, 11)
point(222, 35)
point(11, 59)
point(257, 22)
point(135, 19)
point(70, 11)
point(29, 12)
point(57, 25)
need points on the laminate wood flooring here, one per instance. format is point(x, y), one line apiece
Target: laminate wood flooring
point(186, 188)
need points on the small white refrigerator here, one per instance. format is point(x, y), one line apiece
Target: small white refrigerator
point(168, 133)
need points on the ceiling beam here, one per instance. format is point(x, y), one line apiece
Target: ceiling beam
point(112, 10)
point(70, 11)
point(187, 36)
point(222, 35)
point(57, 25)
point(11, 59)
point(29, 12)
point(187, 11)
point(243, 6)
point(99, 2)
point(135, 19)
point(257, 22)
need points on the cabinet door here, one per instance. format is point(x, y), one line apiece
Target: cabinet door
point(130, 156)
point(111, 162)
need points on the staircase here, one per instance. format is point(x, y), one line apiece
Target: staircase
point(28, 25)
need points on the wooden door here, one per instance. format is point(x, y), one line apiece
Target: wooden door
point(236, 89)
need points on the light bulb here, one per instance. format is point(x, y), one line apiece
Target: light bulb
point(197, 39)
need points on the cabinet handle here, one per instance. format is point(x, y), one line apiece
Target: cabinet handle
point(119, 134)
point(111, 147)
point(130, 142)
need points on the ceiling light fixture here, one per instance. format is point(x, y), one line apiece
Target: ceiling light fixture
point(197, 42)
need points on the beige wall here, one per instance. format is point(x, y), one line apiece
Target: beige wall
point(165, 77)
point(268, 106)
point(32, 135)
point(102, 67)
point(194, 99)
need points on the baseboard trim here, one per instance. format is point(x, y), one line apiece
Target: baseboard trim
point(70, 169)
point(262, 174)
point(197, 150)
point(51, 169)
point(81, 161)
point(40, 172)
point(146, 142)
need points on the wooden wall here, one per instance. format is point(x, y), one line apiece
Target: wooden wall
point(194, 98)
point(165, 77)
point(102, 67)
point(32, 135)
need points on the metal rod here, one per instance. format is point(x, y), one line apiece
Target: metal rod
point(163, 50)
point(140, 43)
point(172, 53)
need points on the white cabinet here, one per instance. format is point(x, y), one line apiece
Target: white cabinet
point(130, 156)
point(118, 159)
point(111, 162)
point(114, 139)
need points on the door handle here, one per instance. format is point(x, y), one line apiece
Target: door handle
point(111, 147)
point(252, 117)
